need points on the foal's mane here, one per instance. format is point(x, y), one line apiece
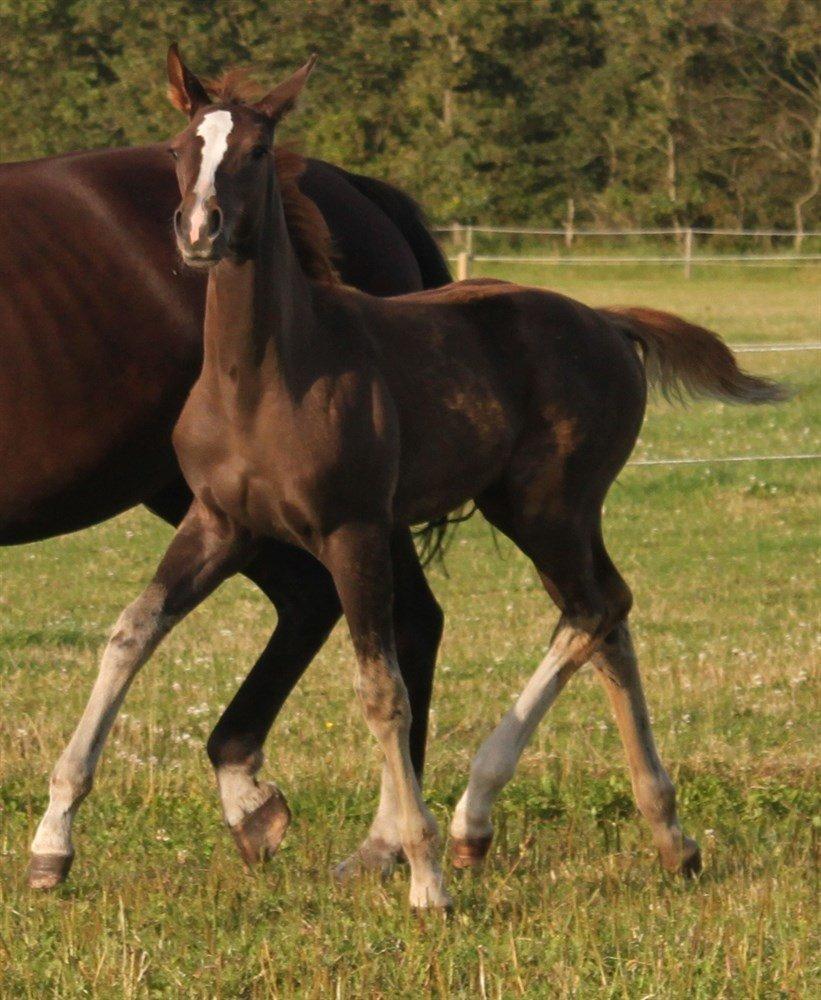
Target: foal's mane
point(307, 228)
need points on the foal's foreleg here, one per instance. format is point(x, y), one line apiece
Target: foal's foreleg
point(358, 557)
point(203, 552)
point(618, 669)
point(418, 621)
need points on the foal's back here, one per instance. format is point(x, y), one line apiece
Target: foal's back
point(478, 367)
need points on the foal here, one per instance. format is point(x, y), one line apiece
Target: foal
point(325, 418)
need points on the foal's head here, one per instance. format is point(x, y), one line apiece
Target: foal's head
point(224, 158)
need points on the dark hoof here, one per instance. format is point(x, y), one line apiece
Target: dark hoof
point(686, 862)
point(469, 853)
point(46, 871)
point(690, 866)
point(259, 835)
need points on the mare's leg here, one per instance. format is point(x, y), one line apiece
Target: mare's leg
point(592, 603)
point(307, 609)
point(617, 666)
point(359, 559)
point(418, 621)
point(204, 551)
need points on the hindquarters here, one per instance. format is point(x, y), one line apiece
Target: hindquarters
point(586, 401)
point(581, 414)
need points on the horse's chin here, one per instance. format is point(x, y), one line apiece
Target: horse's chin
point(200, 263)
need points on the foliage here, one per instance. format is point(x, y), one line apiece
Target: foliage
point(673, 112)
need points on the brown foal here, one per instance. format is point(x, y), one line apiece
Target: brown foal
point(327, 418)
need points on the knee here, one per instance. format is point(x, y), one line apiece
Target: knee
point(384, 702)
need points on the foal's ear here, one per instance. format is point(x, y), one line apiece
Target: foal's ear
point(283, 98)
point(185, 91)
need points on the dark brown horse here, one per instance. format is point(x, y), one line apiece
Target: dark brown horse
point(328, 418)
point(100, 342)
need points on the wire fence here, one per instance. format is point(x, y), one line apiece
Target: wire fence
point(725, 459)
point(467, 245)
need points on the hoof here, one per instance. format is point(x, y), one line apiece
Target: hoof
point(686, 862)
point(374, 855)
point(468, 853)
point(46, 871)
point(690, 866)
point(431, 899)
point(259, 835)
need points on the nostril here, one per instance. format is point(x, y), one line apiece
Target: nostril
point(214, 222)
point(178, 222)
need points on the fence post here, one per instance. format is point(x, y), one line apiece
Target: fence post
point(469, 240)
point(688, 251)
point(462, 266)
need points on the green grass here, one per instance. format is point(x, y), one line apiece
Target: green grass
point(723, 564)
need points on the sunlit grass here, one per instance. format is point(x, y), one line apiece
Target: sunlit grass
point(723, 564)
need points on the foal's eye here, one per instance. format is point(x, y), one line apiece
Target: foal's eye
point(258, 152)
point(173, 154)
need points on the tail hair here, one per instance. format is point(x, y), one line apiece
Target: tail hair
point(683, 359)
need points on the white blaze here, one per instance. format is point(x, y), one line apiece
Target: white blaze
point(214, 130)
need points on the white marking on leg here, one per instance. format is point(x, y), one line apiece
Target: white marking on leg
point(135, 636)
point(214, 130)
point(387, 712)
point(495, 763)
point(240, 793)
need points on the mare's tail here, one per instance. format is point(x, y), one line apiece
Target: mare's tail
point(684, 359)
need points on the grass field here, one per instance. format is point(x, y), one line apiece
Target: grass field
point(723, 564)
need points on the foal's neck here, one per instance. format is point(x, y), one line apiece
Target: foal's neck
point(258, 312)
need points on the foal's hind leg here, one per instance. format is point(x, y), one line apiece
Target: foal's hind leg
point(617, 666)
point(591, 605)
point(204, 551)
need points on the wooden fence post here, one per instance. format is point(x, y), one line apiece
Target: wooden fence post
point(688, 251)
point(462, 266)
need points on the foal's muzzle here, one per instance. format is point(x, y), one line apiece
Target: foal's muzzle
point(198, 226)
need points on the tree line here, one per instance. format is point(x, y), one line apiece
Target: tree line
point(606, 112)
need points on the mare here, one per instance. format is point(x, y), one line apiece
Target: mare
point(328, 418)
point(100, 342)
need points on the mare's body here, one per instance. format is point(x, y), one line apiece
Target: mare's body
point(101, 325)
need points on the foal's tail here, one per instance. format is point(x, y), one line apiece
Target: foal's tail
point(684, 359)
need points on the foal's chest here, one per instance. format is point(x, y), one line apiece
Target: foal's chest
point(229, 462)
